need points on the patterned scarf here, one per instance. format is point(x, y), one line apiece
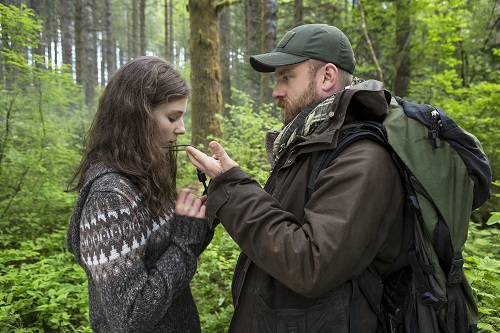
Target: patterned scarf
point(306, 122)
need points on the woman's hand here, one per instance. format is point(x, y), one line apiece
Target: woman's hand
point(213, 166)
point(187, 204)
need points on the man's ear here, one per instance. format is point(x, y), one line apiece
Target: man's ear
point(330, 76)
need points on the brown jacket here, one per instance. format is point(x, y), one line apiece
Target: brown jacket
point(300, 254)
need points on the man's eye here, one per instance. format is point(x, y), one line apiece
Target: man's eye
point(172, 120)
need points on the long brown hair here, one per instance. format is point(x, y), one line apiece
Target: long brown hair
point(124, 134)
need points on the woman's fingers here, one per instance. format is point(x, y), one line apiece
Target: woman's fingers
point(187, 204)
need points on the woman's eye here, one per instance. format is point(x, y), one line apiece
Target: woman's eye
point(172, 120)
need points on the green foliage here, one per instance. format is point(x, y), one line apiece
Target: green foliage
point(244, 136)
point(42, 288)
point(482, 268)
point(495, 215)
point(21, 28)
point(39, 141)
point(212, 283)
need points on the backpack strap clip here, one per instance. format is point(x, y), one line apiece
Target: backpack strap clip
point(435, 128)
point(455, 274)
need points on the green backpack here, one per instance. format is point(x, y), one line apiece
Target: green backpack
point(446, 175)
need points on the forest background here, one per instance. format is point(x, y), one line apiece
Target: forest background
point(57, 55)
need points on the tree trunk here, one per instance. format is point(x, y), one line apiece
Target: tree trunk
point(135, 29)
point(40, 49)
point(102, 43)
point(67, 33)
point(90, 73)
point(48, 30)
point(403, 35)
point(165, 41)
point(225, 47)
point(171, 30)
point(206, 102)
point(142, 20)
point(253, 22)
point(79, 50)
point(269, 25)
point(298, 17)
point(110, 41)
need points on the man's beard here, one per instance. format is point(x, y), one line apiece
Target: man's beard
point(289, 110)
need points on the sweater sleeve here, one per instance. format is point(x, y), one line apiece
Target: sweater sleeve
point(138, 265)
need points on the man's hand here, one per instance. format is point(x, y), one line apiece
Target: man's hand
point(213, 166)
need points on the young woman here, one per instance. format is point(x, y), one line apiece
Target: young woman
point(136, 240)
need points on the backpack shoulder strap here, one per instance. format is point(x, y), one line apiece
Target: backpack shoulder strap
point(349, 134)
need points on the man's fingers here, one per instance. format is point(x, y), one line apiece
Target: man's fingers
point(217, 149)
point(213, 166)
point(194, 156)
point(220, 154)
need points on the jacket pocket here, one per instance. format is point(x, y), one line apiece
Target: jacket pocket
point(240, 273)
point(326, 316)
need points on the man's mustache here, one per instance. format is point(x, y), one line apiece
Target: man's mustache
point(281, 103)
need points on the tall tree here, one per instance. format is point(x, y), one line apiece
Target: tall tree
point(110, 41)
point(253, 24)
point(166, 42)
point(225, 47)
point(206, 103)
point(298, 12)
point(268, 44)
point(403, 34)
point(50, 28)
point(142, 20)
point(100, 38)
point(369, 42)
point(40, 48)
point(67, 32)
point(171, 30)
point(135, 29)
point(90, 73)
point(79, 41)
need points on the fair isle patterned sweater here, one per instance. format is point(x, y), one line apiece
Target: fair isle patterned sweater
point(138, 264)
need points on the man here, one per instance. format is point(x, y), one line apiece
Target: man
point(305, 256)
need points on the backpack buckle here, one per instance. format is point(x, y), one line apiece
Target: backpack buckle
point(456, 272)
point(435, 129)
point(426, 296)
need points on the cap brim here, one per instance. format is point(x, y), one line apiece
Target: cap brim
point(267, 62)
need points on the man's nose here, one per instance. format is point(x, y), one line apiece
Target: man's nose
point(278, 92)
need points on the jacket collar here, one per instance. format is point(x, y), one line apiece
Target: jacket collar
point(364, 101)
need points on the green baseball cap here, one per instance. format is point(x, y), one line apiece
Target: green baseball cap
point(310, 41)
